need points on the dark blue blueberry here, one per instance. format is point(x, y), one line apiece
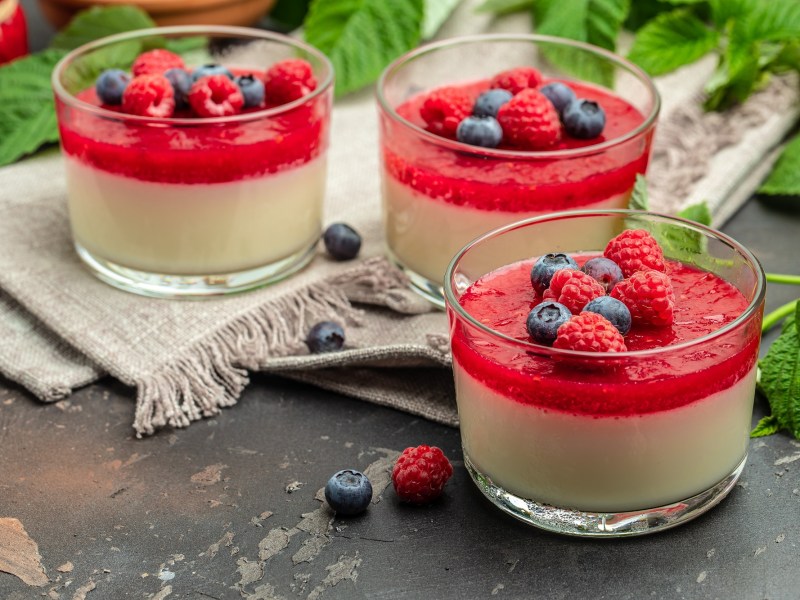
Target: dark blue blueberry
point(543, 269)
point(325, 336)
point(348, 492)
point(252, 90)
point(604, 270)
point(613, 310)
point(341, 241)
point(559, 94)
point(480, 131)
point(583, 119)
point(545, 319)
point(181, 84)
point(488, 103)
point(110, 85)
point(211, 69)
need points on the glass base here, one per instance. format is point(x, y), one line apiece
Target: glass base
point(603, 524)
point(432, 291)
point(158, 285)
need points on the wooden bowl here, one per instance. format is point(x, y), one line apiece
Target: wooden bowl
point(168, 12)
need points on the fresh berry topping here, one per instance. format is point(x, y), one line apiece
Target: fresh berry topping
point(574, 289)
point(156, 62)
point(252, 90)
point(516, 80)
point(325, 336)
point(612, 309)
point(348, 492)
point(589, 332)
point(480, 131)
point(649, 297)
point(489, 102)
point(149, 96)
point(181, 84)
point(545, 319)
point(544, 268)
point(211, 69)
point(634, 250)
point(583, 119)
point(604, 270)
point(420, 473)
point(289, 80)
point(110, 85)
point(559, 94)
point(530, 121)
point(341, 241)
point(444, 109)
point(215, 96)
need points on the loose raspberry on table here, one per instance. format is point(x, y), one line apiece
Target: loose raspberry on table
point(634, 250)
point(444, 109)
point(516, 80)
point(574, 289)
point(649, 296)
point(420, 473)
point(288, 80)
point(589, 332)
point(156, 62)
point(215, 96)
point(529, 120)
point(149, 96)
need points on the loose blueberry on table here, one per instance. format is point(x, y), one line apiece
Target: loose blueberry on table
point(348, 492)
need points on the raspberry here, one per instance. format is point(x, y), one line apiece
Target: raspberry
point(420, 473)
point(444, 109)
point(215, 96)
point(288, 80)
point(574, 289)
point(530, 120)
point(149, 96)
point(649, 297)
point(516, 80)
point(634, 250)
point(589, 332)
point(156, 62)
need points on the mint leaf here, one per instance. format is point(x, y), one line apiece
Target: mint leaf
point(639, 199)
point(436, 13)
point(672, 40)
point(505, 7)
point(724, 11)
point(736, 76)
point(769, 21)
point(766, 426)
point(699, 213)
point(97, 22)
point(785, 177)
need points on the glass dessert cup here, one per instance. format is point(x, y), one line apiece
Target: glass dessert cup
point(606, 444)
point(192, 207)
point(438, 194)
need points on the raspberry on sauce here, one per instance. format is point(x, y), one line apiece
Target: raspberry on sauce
point(149, 96)
point(530, 121)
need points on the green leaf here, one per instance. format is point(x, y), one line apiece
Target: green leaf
point(766, 426)
point(505, 7)
point(289, 13)
point(736, 76)
point(98, 22)
point(639, 199)
point(699, 213)
point(672, 40)
point(724, 11)
point(436, 13)
point(785, 177)
point(643, 11)
point(361, 37)
point(770, 20)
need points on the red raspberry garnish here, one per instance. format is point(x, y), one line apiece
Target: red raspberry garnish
point(149, 96)
point(649, 297)
point(420, 473)
point(288, 80)
point(530, 121)
point(215, 96)
point(156, 62)
point(574, 289)
point(634, 250)
point(589, 332)
point(516, 80)
point(444, 109)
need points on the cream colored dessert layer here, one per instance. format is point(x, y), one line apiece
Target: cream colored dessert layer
point(195, 229)
point(604, 464)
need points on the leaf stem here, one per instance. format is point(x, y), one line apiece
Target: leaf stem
point(776, 315)
point(780, 278)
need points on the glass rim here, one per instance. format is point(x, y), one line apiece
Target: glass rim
point(242, 32)
point(452, 303)
point(637, 71)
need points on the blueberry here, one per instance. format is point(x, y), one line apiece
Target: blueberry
point(252, 90)
point(341, 241)
point(480, 131)
point(545, 319)
point(110, 85)
point(181, 84)
point(583, 119)
point(604, 270)
point(488, 103)
point(325, 336)
point(211, 69)
point(348, 492)
point(543, 269)
point(559, 94)
point(613, 310)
